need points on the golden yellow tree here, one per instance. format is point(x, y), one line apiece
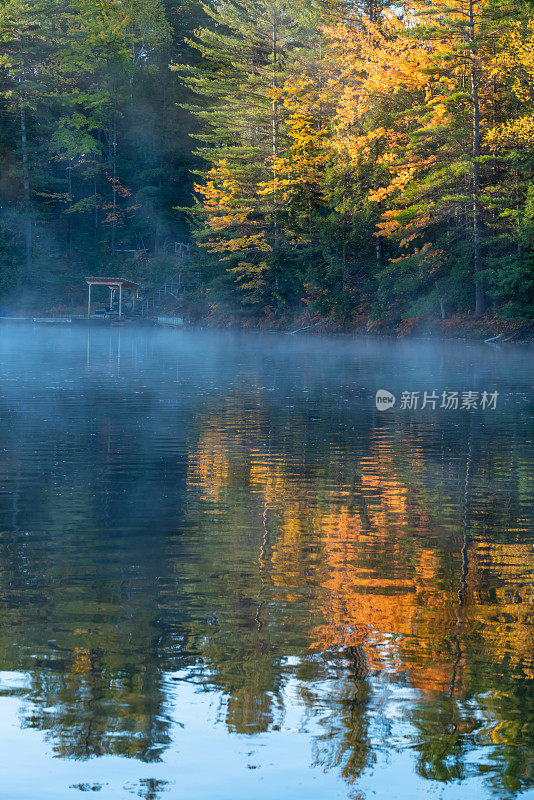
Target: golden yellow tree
point(415, 97)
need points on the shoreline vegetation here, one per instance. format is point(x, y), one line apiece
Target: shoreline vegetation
point(368, 163)
point(489, 328)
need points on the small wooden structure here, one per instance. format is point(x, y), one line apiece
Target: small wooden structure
point(113, 284)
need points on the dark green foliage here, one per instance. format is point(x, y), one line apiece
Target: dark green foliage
point(93, 137)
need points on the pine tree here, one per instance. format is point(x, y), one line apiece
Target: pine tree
point(247, 54)
point(30, 33)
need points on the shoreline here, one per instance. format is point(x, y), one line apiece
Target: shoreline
point(489, 328)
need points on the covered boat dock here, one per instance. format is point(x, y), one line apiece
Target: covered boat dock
point(114, 285)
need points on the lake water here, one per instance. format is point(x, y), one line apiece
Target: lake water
point(225, 575)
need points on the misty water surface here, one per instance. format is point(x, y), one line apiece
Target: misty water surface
point(224, 574)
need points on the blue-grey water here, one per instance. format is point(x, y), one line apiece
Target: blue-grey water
point(225, 574)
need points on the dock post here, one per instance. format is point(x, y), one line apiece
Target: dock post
point(120, 300)
point(89, 301)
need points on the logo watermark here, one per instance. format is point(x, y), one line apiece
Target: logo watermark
point(384, 400)
point(446, 400)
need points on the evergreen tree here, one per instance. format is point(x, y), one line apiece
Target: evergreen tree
point(248, 52)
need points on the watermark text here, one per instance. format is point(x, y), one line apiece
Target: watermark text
point(447, 400)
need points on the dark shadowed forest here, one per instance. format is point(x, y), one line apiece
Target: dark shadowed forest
point(315, 160)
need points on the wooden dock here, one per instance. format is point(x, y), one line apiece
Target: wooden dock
point(174, 322)
point(97, 320)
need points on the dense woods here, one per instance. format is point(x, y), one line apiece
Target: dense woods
point(95, 150)
point(353, 160)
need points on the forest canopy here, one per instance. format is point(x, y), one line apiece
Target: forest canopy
point(339, 158)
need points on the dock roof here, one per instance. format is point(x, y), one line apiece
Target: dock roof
point(112, 282)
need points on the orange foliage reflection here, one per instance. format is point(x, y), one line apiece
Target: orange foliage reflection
point(379, 571)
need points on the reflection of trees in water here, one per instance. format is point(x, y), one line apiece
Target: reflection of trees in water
point(84, 593)
point(494, 642)
point(340, 701)
point(392, 535)
point(88, 638)
point(296, 541)
point(99, 712)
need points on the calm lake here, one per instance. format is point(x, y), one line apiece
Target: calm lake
point(225, 575)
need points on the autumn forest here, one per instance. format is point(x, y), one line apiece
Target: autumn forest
point(333, 159)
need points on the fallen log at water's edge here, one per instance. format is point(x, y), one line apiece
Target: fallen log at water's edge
point(307, 327)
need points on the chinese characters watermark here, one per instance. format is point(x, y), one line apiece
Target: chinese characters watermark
point(447, 400)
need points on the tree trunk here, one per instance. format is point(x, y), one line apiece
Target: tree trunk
point(378, 247)
point(274, 133)
point(477, 228)
point(95, 219)
point(441, 301)
point(26, 183)
point(70, 201)
point(114, 221)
